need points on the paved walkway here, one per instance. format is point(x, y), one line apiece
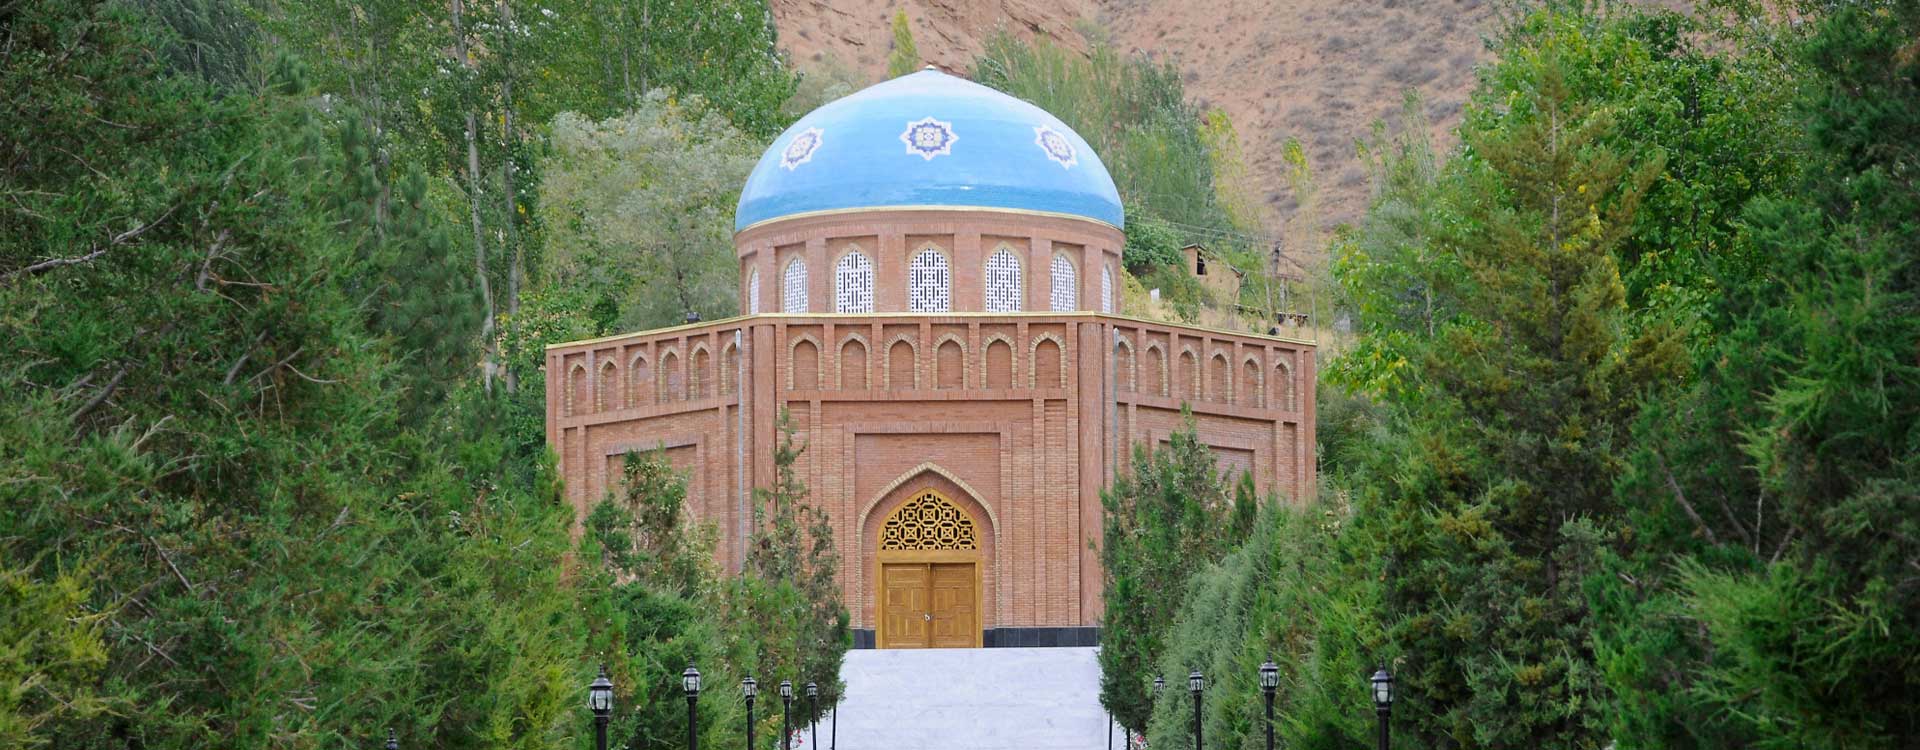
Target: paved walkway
point(972, 699)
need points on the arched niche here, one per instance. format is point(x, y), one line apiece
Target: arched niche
point(997, 362)
point(803, 364)
point(853, 363)
point(950, 363)
point(877, 546)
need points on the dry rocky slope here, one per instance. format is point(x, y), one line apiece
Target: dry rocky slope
point(1318, 71)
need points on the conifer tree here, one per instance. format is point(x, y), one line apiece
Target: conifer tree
point(790, 586)
point(1166, 518)
point(1494, 494)
point(905, 57)
point(1770, 596)
point(654, 604)
point(1246, 508)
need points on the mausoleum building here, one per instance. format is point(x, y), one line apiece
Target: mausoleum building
point(930, 287)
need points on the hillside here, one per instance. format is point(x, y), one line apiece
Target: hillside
point(1319, 72)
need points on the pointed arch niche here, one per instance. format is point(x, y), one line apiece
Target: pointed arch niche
point(934, 517)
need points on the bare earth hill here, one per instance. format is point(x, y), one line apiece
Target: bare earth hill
point(1318, 71)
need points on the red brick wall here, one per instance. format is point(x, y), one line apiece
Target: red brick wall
point(1020, 418)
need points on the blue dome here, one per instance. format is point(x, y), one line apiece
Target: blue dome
point(929, 140)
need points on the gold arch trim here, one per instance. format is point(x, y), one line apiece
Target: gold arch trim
point(928, 521)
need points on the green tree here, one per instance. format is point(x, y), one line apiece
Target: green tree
point(1246, 508)
point(1166, 518)
point(790, 585)
point(655, 611)
point(1496, 487)
point(601, 58)
point(638, 211)
point(1302, 590)
point(1390, 272)
point(1152, 244)
point(905, 57)
point(200, 405)
point(414, 279)
point(1782, 478)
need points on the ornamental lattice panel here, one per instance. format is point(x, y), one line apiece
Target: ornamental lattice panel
point(793, 287)
point(1106, 289)
point(928, 522)
point(1065, 296)
point(929, 289)
point(853, 284)
point(1003, 282)
point(753, 291)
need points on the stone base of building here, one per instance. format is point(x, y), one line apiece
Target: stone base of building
point(863, 638)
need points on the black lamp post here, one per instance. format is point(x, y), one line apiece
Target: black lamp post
point(393, 742)
point(1196, 684)
point(690, 682)
point(1269, 680)
point(786, 715)
point(749, 689)
point(1383, 700)
point(600, 700)
point(813, 714)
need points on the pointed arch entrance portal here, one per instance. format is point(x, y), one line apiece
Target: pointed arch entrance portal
point(929, 559)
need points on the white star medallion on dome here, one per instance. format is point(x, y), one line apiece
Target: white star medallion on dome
point(1055, 146)
point(800, 149)
point(928, 138)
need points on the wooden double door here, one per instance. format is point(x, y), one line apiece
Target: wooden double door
point(929, 605)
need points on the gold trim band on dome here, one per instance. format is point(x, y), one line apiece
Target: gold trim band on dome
point(737, 319)
point(872, 209)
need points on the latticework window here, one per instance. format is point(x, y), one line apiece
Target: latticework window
point(853, 283)
point(1106, 289)
point(793, 287)
point(928, 522)
point(1064, 286)
point(1004, 291)
point(753, 291)
point(929, 286)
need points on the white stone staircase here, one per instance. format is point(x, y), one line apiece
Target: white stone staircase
point(971, 699)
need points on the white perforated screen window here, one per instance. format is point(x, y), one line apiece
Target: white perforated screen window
point(1106, 289)
point(928, 283)
point(793, 288)
point(1003, 282)
point(753, 291)
point(853, 283)
point(1064, 284)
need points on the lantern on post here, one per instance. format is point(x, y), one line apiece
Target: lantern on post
point(786, 715)
point(749, 689)
point(1269, 681)
point(690, 682)
point(600, 702)
point(813, 714)
point(1382, 682)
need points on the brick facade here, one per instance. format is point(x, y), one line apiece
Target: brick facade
point(1020, 418)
